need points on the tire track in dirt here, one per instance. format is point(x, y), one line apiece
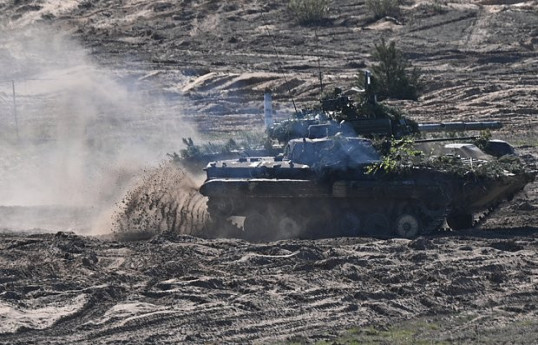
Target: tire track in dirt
point(461, 17)
point(191, 290)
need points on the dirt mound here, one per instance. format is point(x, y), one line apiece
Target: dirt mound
point(166, 200)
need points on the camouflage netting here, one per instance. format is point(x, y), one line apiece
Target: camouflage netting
point(403, 158)
point(336, 108)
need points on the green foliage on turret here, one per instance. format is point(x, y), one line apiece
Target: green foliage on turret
point(402, 157)
point(392, 77)
point(482, 141)
point(246, 142)
point(362, 113)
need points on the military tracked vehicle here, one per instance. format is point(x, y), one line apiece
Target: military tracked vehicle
point(322, 188)
point(323, 184)
point(368, 118)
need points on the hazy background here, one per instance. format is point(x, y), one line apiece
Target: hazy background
point(77, 133)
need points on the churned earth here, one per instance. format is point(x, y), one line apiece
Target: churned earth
point(104, 89)
point(471, 288)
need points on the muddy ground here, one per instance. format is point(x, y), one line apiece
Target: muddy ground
point(203, 66)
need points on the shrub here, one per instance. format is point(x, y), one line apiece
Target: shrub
point(383, 8)
point(309, 12)
point(393, 76)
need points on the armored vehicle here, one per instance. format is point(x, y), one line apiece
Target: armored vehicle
point(339, 114)
point(324, 188)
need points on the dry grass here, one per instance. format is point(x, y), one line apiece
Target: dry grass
point(309, 12)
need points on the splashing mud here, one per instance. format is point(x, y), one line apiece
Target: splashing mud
point(166, 200)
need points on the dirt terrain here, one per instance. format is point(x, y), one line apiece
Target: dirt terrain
point(104, 89)
point(188, 290)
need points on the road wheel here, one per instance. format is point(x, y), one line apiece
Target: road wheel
point(377, 224)
point(459, 221)
point(256, 227)
point(289, 227)
point(407, 226)
point(350, 224)
point(220, 207)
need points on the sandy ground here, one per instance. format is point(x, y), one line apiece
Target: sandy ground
point(106, 88)
point(189, 290)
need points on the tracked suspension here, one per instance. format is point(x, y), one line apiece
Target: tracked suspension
point(485, 215)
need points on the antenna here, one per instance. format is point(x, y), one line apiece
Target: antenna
point(319, 68)
point(15, 109)
point(368, 87)
point(279, 63)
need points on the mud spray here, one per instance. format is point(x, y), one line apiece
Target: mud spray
point(75, 137)
point(165, 200)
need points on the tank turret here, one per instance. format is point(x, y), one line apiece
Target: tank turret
point(364, 116)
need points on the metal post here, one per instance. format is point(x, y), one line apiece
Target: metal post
point(15, 110)
point(268, 108)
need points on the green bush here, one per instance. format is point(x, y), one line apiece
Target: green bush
point(309, 12)
point(383, 8)
point(393, 75)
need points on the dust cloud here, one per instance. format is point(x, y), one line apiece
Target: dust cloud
point(73, 135)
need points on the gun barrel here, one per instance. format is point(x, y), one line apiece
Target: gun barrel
point(459, 126)
point(433, 140)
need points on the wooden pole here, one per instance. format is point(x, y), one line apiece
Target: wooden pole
point(15, 110)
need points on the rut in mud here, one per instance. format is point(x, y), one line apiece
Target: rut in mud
point(183, 289)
